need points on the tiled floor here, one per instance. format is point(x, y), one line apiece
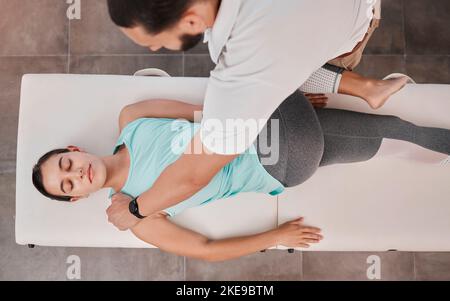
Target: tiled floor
point(36, 36)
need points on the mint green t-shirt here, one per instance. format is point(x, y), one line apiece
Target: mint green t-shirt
point(155, 143)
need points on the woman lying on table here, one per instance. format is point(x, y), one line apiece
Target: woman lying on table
point(151, 138)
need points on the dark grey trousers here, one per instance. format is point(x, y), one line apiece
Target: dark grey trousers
point(310, 138)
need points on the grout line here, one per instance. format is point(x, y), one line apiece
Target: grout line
point(388, 55)
point(90, 55)
point(101, 54)
point(404, 29)
point(131, 55)
point(414, 267)
point(197, 54)
point(32, 55)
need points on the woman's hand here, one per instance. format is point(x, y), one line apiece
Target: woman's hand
point(294, 235)
point(119, 214)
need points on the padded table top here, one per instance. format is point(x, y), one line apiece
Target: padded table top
point(410, 212)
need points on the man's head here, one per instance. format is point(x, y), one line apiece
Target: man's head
point(170, 24)
point(68, 174)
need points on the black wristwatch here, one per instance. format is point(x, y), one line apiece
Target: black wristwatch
point(134, 209)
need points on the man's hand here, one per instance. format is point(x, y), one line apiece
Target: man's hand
point(319, 101)
point(119, 214)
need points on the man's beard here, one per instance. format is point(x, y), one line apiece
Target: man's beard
point(190, 41)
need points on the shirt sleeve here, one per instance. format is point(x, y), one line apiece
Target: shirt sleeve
point(235, 113)
point(242, 96)
point(270, 53)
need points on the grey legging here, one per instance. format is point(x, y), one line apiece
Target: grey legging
point(310, 138)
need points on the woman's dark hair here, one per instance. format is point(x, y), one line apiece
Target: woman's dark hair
point(155, 16)
point(37, 175)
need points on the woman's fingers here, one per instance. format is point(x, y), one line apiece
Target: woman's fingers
point(314, 95)
point(311, 241)
point(310, 230)
point(319, 105)
point(295, 234)
point(317, 97)
point(312, 236)
point(319, 101)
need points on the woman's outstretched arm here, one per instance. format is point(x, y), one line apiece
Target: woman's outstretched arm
point(159, 231)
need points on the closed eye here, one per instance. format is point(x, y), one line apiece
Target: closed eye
point(71, 186)
point(65, 186)
point(68, 169)
point(62, 187)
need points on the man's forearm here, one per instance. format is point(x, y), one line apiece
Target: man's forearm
point(182, 179)
point(171, 188)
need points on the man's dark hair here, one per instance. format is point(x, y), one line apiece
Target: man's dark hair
point(155, 16)
point(37, 175)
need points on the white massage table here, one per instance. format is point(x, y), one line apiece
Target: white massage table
point(409, 211)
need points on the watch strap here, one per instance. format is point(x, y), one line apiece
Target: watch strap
point(134, 209)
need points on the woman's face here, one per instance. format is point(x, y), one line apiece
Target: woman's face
point(76, 174)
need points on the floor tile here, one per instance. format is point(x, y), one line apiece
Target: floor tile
point(427, 26)
point(20, 262)
point(429, 68)
point(432, 266)
point(355, 266)
point(95, 33)
point(271, 265)
point(128, 264)
point(378, 66)
point(33, 27)
point(198, 65)
point(389, 38)
point(11, 71)
point(200, 48)
point(125, 65)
